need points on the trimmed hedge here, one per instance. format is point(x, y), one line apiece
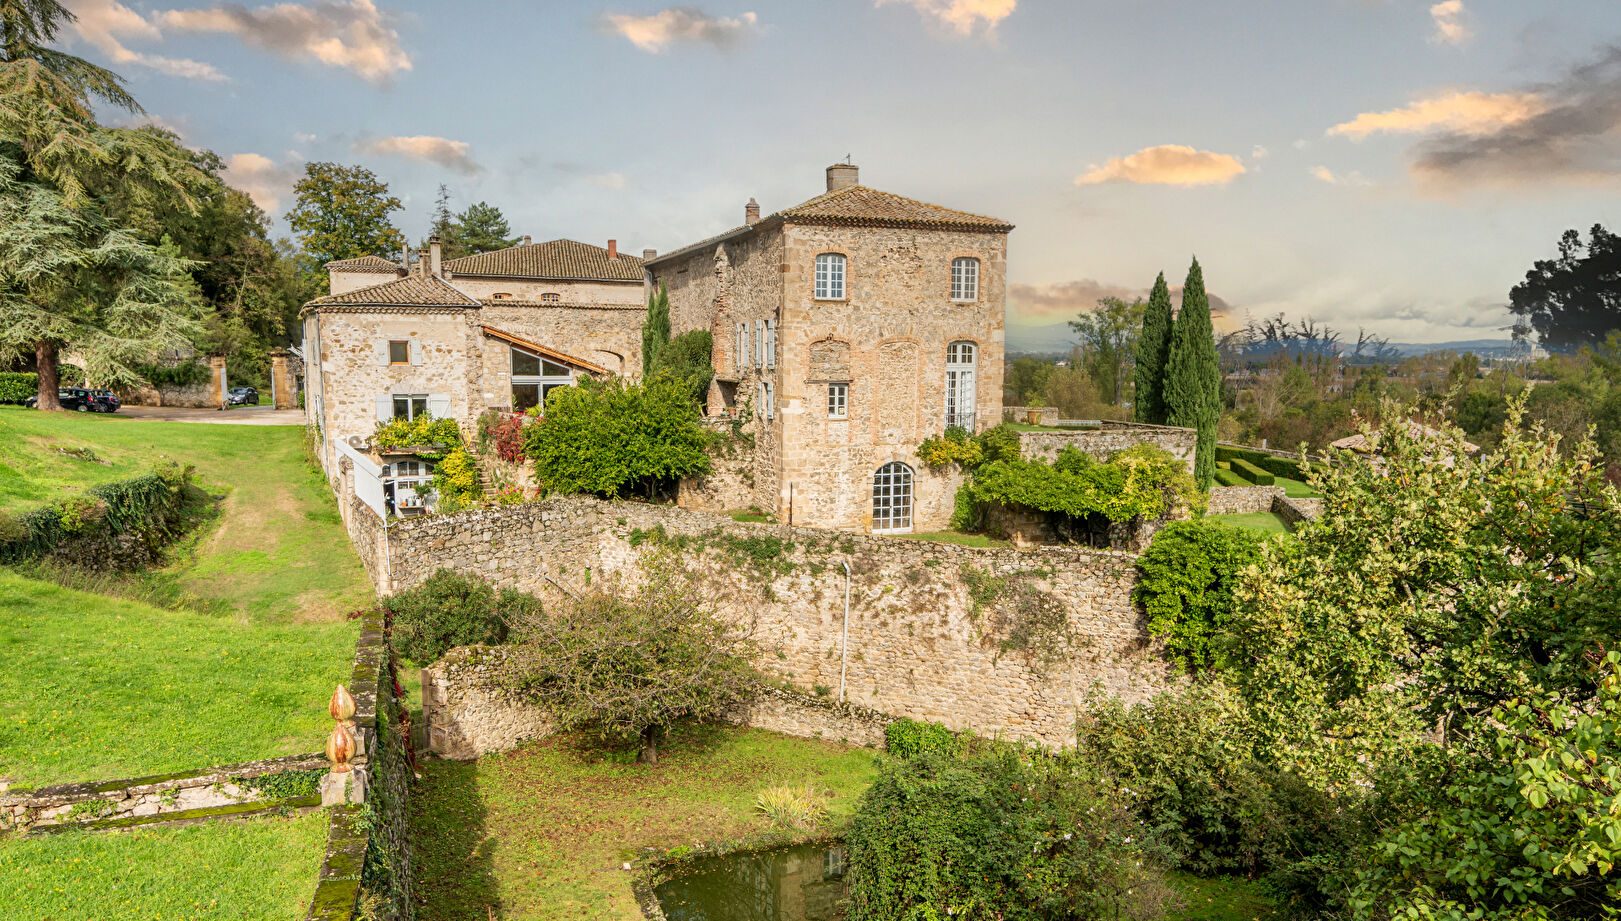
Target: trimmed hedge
point(1271, 463)
point(122, 525)
point(17, 386)
point(1228, 478)
point(1250, 472)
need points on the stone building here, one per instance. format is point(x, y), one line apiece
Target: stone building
point(456, 338)
point(847, 329)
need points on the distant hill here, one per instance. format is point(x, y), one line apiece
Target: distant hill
point(1058, 339)
point(1485, 348)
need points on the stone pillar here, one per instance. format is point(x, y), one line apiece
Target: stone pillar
point(283, 390)
point(217, 386)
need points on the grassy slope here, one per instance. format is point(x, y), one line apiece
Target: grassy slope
point(541, 833)
point(259, 869)
point(1267, 522)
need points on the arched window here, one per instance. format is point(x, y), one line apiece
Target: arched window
point(829, 277)
point(892, 498)
point(965, 279)
point(960, 360)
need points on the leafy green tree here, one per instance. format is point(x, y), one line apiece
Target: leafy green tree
point(342, 212)
point(655, 329)
point(450, 609)
point(1153, 351)
point(613, 438)
point(442, 224)
point(628, 668)
point(1185, 585)
point(482, 228)
point(1192, 389)
point(1108, 341)
point(71, 275)
point(1024, 381)
point(1574, 300)
point(689, 358)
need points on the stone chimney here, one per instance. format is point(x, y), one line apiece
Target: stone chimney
point(751, 211)
point(648, 255)
point(422, 263)
point(613, 249)
point(435, 258)
point(843, 176)
point(528, 240)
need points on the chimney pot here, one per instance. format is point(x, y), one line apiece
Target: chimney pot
point(528, 240)
point(613, 249)
point(751, 212)
point(843, 176)
point(648, 255)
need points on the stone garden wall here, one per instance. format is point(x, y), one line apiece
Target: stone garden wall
point(1243, 500)
point(1109, 440)
point(1294, 511)
point(1001, 641)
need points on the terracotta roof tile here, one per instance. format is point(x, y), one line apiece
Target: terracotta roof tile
point(411, 291)
point(558, 259)
point(370, 264)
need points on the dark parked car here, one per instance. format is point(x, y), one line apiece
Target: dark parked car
point(242, 396)
point(83, 400)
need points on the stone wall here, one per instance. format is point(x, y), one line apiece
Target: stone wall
point(934, 629)
point(194, 396)
point(177, 796)
point(1045, 415)
point(1109, 440)
point(1242, 500)
point(1295, 511)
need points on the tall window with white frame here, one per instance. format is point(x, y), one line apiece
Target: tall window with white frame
point(892, 499)
point(965, 279)
point(838, 400)
point(961, 358)
point(829, 277)
point(533, 377)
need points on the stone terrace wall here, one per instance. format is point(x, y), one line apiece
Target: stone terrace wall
point(1242, 500)
point(933, 628)
point(1109, 440)
point(1294, 511)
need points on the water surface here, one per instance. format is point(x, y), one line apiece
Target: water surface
point(803, 883)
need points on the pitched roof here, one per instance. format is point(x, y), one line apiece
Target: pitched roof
point(559, 259)
point(410, 291)
point(857, 206)
point(369, 264)
point(543, 351)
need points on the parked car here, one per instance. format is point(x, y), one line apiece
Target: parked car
point(83, 400)
point(242, 396)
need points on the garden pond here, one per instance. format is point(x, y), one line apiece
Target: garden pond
point(801, 883)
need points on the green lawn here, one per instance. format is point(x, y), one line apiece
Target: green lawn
point(1296, 489)
point(244, 871)
point(541, 833)
point(99, 688)
point(1268, 522)
point(1221, 899)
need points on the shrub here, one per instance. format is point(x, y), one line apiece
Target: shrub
point(1185, 585)
point(1139, 482)
point(687, 358)
point(1250, 472)
point(791, 807)
point(907, 738)
point(955, 447)
point(119, 525)
point(18, 386)
point(502, 433)
point(1229, 478)
point(449, 610)
point(422, 432)
point(1005, 833)
point(613, 438)
point(455, 477)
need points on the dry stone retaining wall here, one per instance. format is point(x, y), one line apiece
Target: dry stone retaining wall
point(934, 629)
point(1294, 511)
point(1243, 500)
point(1114, 437)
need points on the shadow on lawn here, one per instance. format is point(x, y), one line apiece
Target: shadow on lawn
point(453, 853)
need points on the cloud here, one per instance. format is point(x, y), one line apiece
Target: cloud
point(1449, 25)
point(657, 31)
point(1470, 113)
point(963, 17)
point(1324, 174)
point(347, 34)
point(106, 24)
point(1169, 164)
point(452, 155)
point(1574, 135)
point(265, 180)
point(1033, 304)
point(1259, 153)
point(607, 180)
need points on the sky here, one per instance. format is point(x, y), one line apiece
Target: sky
point(1381, 164)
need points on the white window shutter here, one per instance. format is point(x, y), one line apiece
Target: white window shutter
point(380, 351)
point(385, 405)
point(770, 400)
point(771, 343)
point(759, 343)
point(416, 352)
point(439, 405)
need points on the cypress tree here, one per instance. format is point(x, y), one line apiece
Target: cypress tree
point(1153, 350)
point(655, 329)
point(1192, 385)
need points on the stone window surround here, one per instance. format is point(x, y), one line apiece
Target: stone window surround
point(399, 352)
point(844, 276)
point(955, 389)
point(979, 264)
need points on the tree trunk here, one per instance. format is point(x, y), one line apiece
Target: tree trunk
point(650, 746)
point(45, 362)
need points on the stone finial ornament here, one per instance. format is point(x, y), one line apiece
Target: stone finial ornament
point(342, 705)
point(340, 747)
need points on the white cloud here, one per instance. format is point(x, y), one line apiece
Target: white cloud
point(265, 180)
point(657, 31)
point(452, 155)
point(1324, 174)
point(1449, 25)
point(963, 17)
point(607, 180)
point(1168, 164)
point(348, 34)
point(1470, 113)
point(1259, 153)
point(107, 24)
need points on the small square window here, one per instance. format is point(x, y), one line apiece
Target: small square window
point(551, 297)
point(410, 406)
point(399, 351)
point(838, 401)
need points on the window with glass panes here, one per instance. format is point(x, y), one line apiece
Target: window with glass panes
point(965, 279)
point(892, 498)
point(533, 377)
point(960, 361)
point(410, 405)
point(399, 351)
point(829, 277)
point(838, 401)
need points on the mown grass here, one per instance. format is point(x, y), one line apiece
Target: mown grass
point(1221, 899)
point(99, 688)
point(1267, 522)
point(245, 871)
point(542, 833)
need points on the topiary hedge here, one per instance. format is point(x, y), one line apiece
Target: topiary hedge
point(18, 386)
point(1271, 463)
point(1250, 472)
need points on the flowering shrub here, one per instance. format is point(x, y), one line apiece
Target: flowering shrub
point(503, 434)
